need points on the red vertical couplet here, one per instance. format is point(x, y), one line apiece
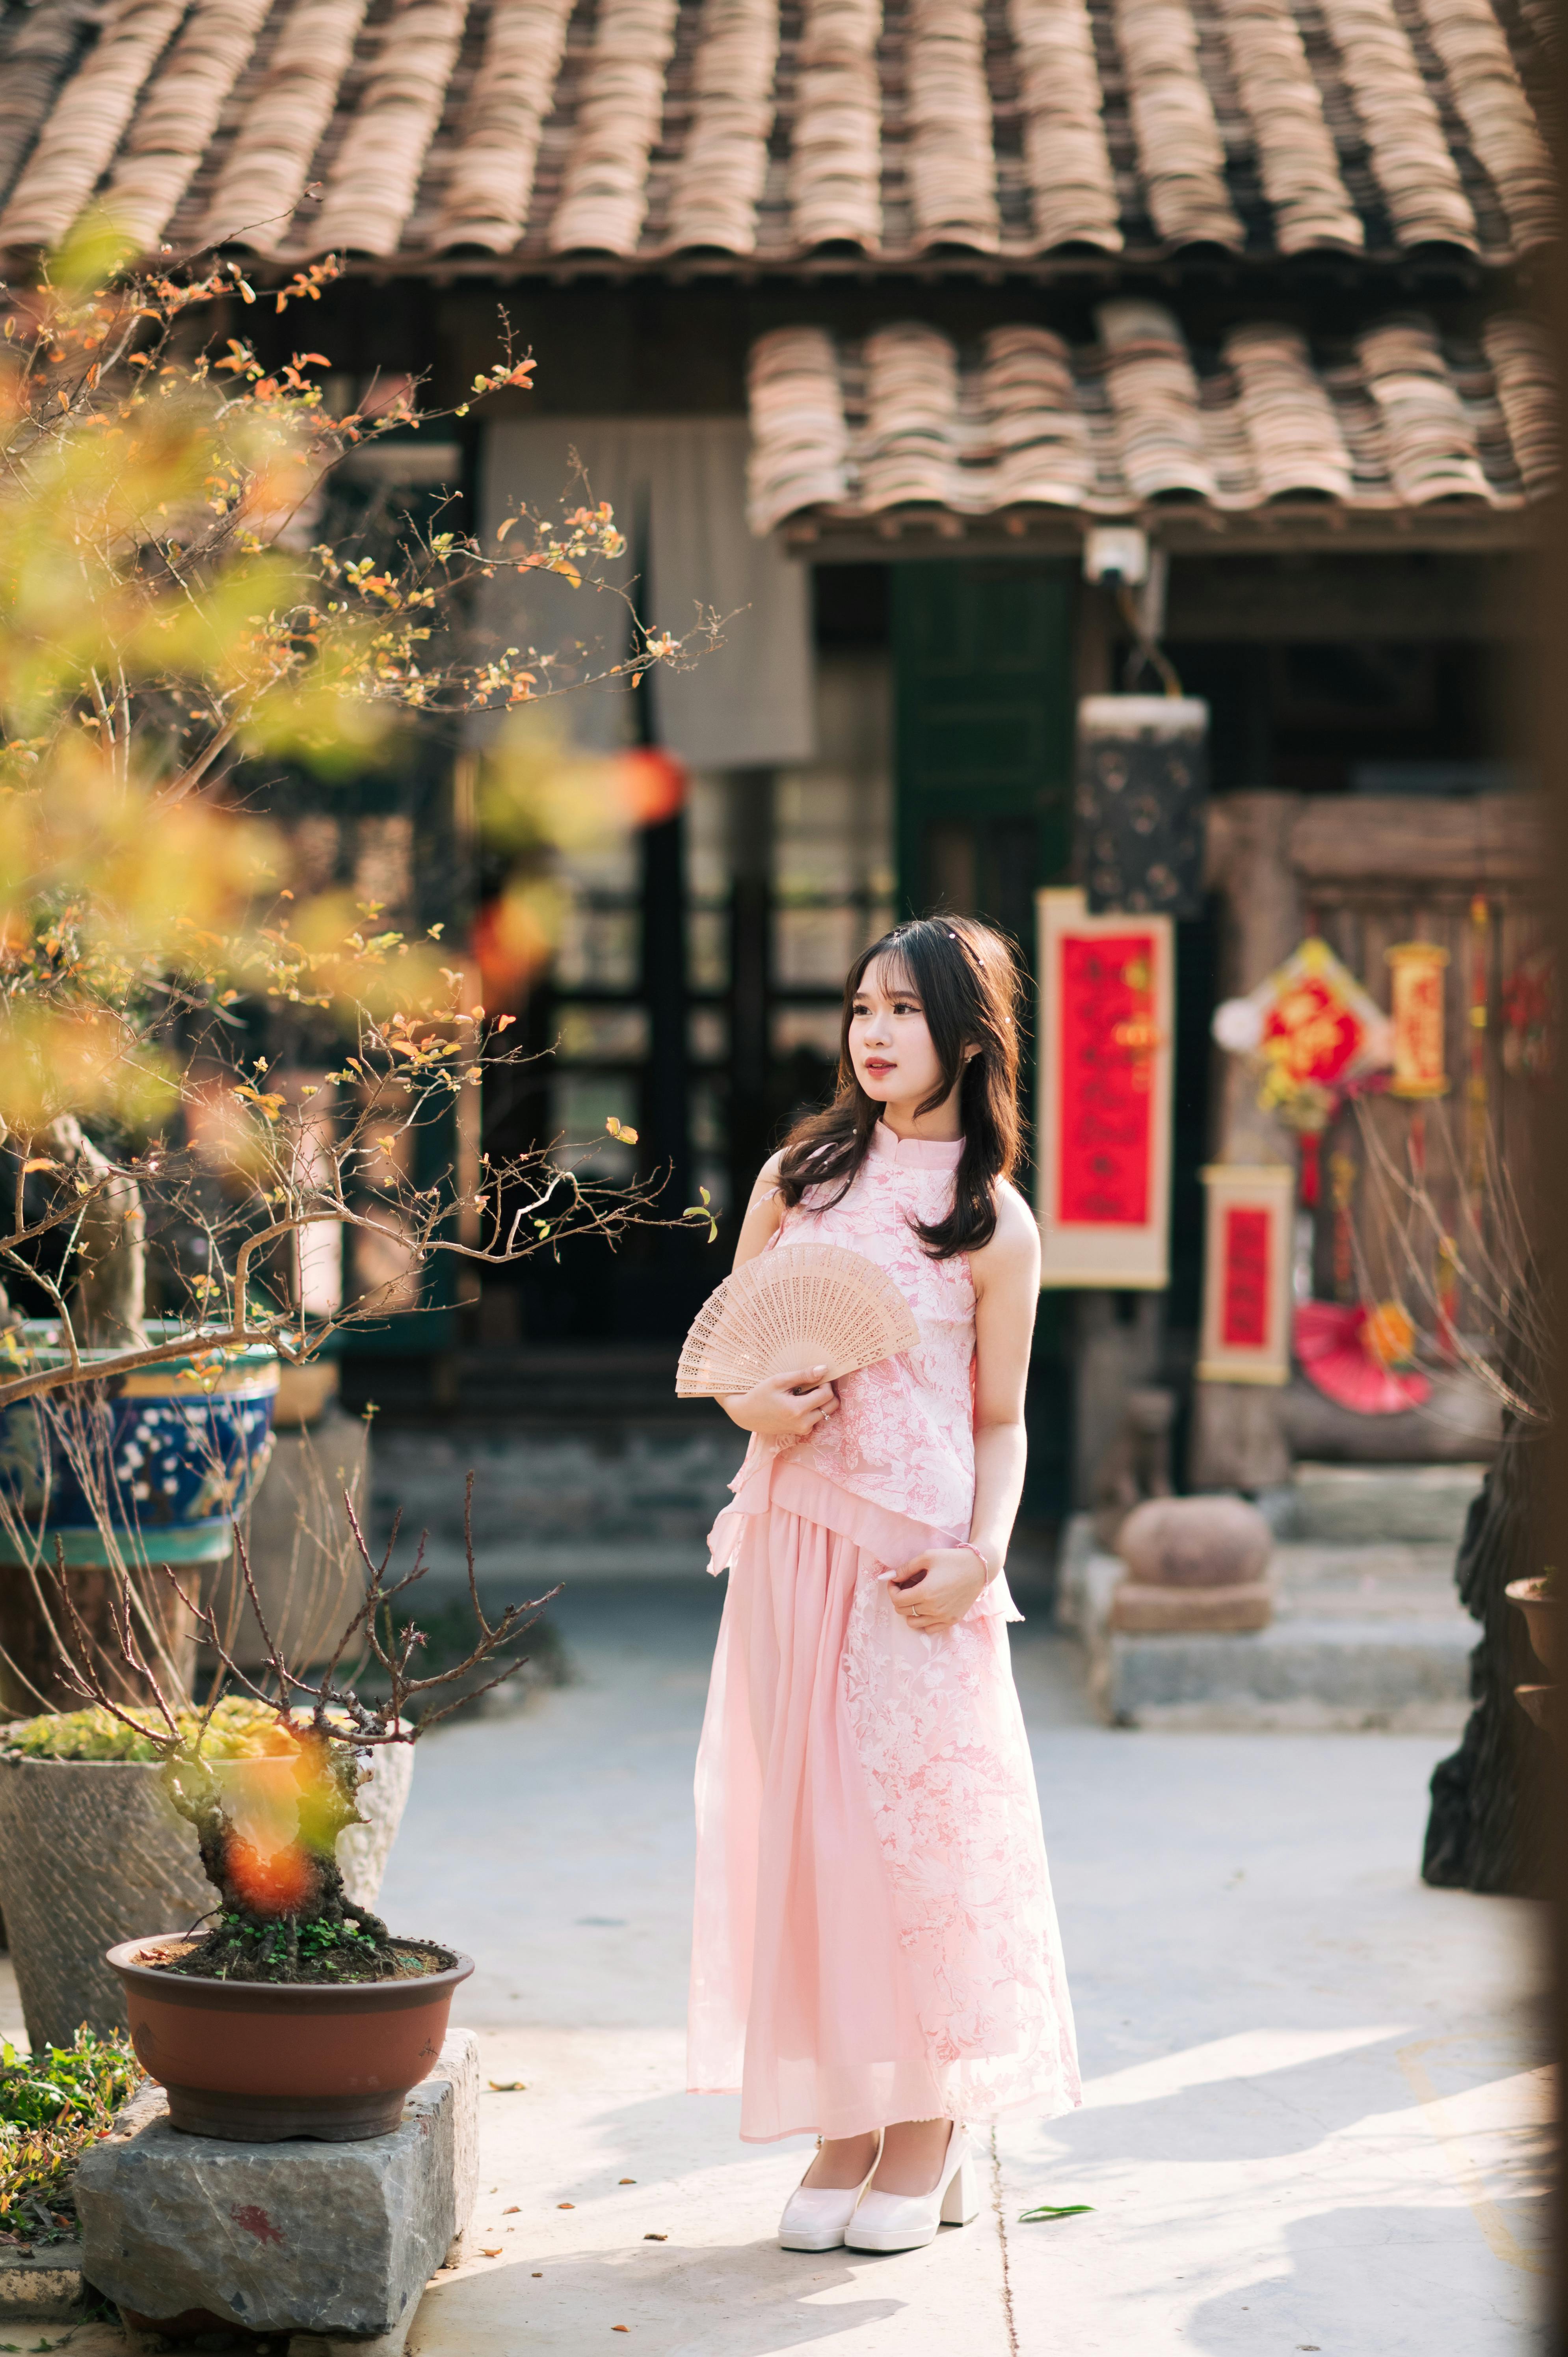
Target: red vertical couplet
point(1244, 1310)
point(1105, 1003)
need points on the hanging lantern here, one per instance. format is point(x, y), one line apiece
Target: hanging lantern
point(1419, 1066)
point(1143, 783)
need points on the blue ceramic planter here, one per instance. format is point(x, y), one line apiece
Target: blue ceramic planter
point(173, 1453)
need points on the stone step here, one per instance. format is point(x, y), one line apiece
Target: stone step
point(1393, 1676)
point(1356, 1505)
point(616, 1501)
point(1363, 1636)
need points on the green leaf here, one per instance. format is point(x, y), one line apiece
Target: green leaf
point(1048, 2209)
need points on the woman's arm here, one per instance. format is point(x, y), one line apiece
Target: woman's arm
point(1008, 1295)
point(763, 1213)
point(785, 1407)
point(939, 1587)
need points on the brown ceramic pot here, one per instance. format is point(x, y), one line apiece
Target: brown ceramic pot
point(266, 2061)
point(1542, 1618)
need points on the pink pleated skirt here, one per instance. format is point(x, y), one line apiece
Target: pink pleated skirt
point(874, 1937)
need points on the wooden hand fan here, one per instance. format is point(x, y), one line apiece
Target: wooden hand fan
point(803, 1305)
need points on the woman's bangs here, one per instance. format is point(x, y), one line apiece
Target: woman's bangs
point(889, 970)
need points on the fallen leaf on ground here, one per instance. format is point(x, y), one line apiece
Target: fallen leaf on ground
point(511, 2211)
point(656, 2238)
point(628, 2180)
point(1047, 2211)
point(490, 2255)
point(510, 2086)
point(565, 2205)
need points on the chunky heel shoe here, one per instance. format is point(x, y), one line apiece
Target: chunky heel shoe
point(906, 2221)
point(815, 2216)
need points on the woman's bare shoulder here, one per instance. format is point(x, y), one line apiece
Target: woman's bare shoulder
point(1015, 1248)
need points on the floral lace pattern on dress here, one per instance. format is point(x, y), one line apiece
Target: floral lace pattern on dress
point(936, 1723)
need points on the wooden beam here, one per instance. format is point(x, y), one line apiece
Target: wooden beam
point(1412, 839)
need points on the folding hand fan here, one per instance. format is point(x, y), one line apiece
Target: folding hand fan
point(803, 1305)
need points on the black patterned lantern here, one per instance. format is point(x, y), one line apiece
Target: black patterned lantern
point(1143, 781)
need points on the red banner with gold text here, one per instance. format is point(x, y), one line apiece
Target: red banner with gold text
point(1107, 1036)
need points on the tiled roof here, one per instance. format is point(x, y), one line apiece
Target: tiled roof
point(1396, 420)
point(773, 129)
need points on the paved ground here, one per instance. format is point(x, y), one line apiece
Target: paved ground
point(1314, 2118)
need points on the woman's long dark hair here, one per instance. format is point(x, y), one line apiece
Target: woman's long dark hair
point(967, 981)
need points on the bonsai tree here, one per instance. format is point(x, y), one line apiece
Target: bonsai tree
point(179, 620)
point(168, 628)
point(268, 1840)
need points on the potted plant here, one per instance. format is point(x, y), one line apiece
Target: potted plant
point(299, 2012)
point(157, 1465)
point(1540, 1602)
point(91, 1854)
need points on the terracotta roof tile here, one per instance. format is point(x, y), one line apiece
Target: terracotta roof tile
point(536, 130)
point(1398, 418)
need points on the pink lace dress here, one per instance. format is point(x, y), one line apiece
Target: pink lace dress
point(874, 1937)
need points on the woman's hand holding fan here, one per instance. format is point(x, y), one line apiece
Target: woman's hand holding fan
point(774, 1337)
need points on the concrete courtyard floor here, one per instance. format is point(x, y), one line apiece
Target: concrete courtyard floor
point(1315, 2116)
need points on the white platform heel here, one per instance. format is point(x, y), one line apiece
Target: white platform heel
point(815, 2216)
point(906, 2221)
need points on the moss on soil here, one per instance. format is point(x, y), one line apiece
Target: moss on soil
point(345, 1959)
point(237, 1729)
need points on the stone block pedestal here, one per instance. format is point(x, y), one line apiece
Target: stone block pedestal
point(332, 2243)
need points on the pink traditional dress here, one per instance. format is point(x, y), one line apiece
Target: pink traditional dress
point(874, 1937)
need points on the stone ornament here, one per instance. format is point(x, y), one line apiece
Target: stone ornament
point(1194, 1565)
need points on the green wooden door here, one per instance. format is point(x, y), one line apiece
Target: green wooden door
point(983, 762)
point(982, 656)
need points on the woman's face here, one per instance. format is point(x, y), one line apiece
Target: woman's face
point(889, 1045)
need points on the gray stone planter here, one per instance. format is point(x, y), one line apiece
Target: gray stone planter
point(91, 1854)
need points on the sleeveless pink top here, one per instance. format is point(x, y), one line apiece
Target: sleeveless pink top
point(894, 1469)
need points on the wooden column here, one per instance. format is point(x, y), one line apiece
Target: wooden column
point(750, 968)
point(1237, 1441)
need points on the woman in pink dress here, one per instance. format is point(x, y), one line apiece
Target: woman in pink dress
point(875, 1954)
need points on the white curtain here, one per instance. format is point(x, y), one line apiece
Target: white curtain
point(677, 489)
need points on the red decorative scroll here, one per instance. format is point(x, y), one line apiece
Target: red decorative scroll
point(1108, 1036)
point(1244, 1310)
point(1106, 1016)
point(1245, 1333)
